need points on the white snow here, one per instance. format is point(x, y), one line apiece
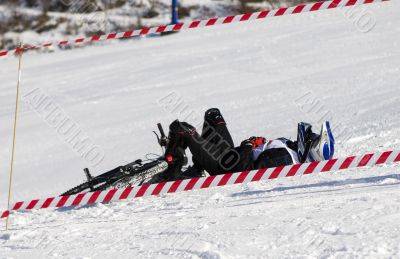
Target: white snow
point(265, 76)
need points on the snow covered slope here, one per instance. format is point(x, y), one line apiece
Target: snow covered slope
point(265, 76)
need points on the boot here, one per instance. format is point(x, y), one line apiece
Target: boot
point(179, 132)
point(214, 117)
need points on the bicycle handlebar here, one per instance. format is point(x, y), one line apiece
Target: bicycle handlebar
point(160, 128)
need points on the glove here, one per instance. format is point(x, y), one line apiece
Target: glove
point(253, 142)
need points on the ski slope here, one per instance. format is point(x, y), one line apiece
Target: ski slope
point(265, 76)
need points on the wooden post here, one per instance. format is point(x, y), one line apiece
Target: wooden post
point(20, 52)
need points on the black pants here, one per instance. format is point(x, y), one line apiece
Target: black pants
point(213, 149)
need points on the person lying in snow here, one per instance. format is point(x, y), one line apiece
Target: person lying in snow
point(214, 150)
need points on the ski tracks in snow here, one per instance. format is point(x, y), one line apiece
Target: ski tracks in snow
point(254, 72)
point(329, 218)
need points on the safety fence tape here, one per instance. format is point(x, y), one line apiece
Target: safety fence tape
point(107, 196)
point(323, 5)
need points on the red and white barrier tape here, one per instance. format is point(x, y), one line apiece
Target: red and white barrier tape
point(201, 23)
point(207, 182)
